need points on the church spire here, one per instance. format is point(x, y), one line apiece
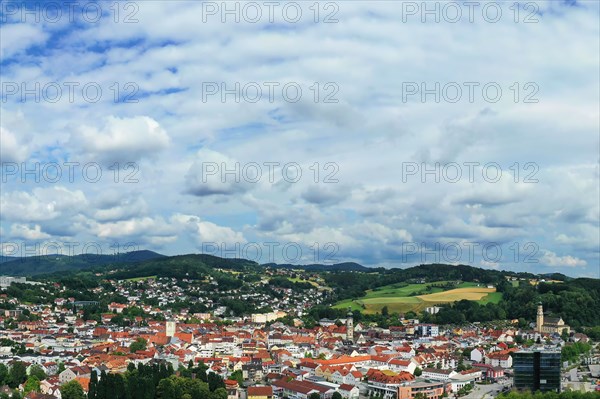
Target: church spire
point(539, 321)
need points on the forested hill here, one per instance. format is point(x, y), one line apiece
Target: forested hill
point(317, 267)
point(44, 264)
point(577, 300)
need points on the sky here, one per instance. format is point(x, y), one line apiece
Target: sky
point(388, 133)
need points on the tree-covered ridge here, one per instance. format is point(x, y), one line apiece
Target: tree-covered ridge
point(575, 300)
point(45, 264)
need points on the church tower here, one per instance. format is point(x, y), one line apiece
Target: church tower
point(350, 325)
point(170, 328)
point(539, 322)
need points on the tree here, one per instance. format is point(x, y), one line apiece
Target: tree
point(18, 374)
point(385, 311)
point(38, 372)
point(32, 384)
point(215, 382)
point(219, 393)
point(418, 372)
point(238, 376)
point(4, 376)
point(101, 391)
point(336, 395)
point(61, 367)
point(93, 387)
point(72, 390)
point(138, 345)
point(564, 335)
point(410, 315)
point(314, 395)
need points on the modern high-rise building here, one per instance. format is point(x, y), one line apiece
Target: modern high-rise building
point(537, 370)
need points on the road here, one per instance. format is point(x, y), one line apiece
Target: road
point(487, 391)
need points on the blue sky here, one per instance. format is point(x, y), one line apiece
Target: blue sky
point(341, 109)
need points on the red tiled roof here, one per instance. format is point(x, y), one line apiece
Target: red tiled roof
point(260, 391)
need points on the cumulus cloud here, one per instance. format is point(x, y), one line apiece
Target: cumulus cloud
point(11, 149)
point(121, 139)
point(42, 204)
point(552, 260)
point(214, 173)
point(204, 232)
point(26, 232)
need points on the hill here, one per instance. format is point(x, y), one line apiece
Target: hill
point(317, 267)
point(461, 290)
point(46, 264)
point(4, 259)
point(191, 266)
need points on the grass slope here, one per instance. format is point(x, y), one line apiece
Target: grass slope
point(403, 298)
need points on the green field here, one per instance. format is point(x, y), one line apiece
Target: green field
point(493, 297)
point(402, 298)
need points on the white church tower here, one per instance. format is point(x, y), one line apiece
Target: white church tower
point(350, 325)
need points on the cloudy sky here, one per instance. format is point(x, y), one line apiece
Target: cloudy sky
point(390, 133)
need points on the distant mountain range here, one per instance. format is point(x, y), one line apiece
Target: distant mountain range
point(48, 264)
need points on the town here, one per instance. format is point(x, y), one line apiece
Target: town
point(169, 337)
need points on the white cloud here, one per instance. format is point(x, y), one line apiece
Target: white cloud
point(11, 150)
point(122, 139)
point(42, 204)
point(18, 37)
point(28, 233)
point(552, 260)
point(204, 232)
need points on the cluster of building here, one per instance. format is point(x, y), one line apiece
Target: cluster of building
point(356, 360)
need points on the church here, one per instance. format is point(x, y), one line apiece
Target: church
point(549, 325)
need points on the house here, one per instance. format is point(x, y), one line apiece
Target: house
point(438, 374)
point(477, 355)
point(467, 377)
point(252, 371)
point(232, 388)
point(116, 307)
point(385, 383)
point(490, 372)
point(346, 376)
point(260, 392)
point(348, 391)
point(300, 389)
point(430, 390)
point(499, 359)
point(402, 365)
point(74, 372)
point(427, 330)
